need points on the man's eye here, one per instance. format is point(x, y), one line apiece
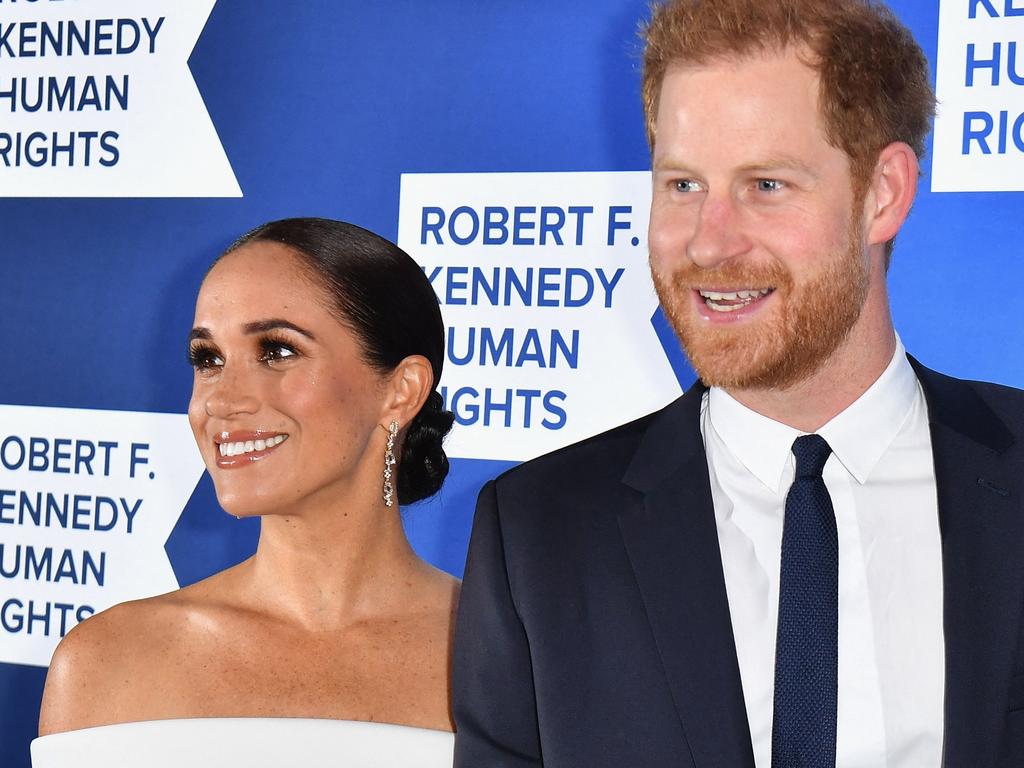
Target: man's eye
point(686, 185)
point(770, 185)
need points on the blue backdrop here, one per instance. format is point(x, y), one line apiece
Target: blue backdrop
point(320, 107)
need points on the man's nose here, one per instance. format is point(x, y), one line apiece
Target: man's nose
point(718, 235)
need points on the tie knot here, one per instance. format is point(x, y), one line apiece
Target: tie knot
point(811, 452)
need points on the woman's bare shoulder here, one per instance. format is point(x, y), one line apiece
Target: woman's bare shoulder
point(98, 667)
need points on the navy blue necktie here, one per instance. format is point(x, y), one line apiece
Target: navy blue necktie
point(807, 646)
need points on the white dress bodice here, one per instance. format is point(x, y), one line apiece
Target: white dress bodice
point(246, 743)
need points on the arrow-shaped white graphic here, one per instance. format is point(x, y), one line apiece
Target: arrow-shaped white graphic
point(87, 501)
point(97, 100)
point(547, 297)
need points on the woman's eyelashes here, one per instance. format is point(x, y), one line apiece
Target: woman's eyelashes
point(269, 350)
point(203, 357)
point(275, 350)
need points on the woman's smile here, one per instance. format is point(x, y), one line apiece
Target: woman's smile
point(242, 448)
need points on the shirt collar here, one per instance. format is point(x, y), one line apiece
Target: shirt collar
point(760, 444)
point(859, 436)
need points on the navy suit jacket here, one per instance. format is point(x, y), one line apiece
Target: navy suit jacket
point(594, 626)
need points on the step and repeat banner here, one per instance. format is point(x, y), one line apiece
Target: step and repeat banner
point(501, 144)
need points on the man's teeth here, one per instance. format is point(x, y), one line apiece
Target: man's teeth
point(248, 446)
point(735, 295)
point(743, 298)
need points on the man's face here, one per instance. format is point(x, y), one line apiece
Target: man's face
point(756, 242)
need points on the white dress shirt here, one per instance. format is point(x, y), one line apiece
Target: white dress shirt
point(882, 482)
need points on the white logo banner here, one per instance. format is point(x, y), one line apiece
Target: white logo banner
point(979, 129)
point(547, 301)
point(97, 100)
point(87, 501)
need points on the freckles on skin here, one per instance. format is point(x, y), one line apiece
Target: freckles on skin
point(281, 362)
point(338, 441)
point(722, 130)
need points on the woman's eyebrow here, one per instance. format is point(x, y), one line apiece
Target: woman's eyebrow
point(262, 326)
point(257, 326)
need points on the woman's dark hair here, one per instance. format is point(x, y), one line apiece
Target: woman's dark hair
point(385, 298)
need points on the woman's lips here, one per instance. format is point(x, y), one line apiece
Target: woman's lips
point(241, 448)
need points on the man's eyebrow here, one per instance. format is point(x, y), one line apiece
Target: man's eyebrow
point(781, 162)
point(669, 163)
point(273, 324)
point(777, 163)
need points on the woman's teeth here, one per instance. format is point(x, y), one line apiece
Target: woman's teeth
point(730, 301)
point(248, 446)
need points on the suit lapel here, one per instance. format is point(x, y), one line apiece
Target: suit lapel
point(983, 585)
point(672, 541)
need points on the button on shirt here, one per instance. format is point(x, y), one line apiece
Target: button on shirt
point(882, 482)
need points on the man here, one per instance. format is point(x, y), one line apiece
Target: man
point(812, 558)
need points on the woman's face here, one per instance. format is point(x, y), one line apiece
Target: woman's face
point(283, 406)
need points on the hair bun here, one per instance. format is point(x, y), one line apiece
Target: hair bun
point(423, 464)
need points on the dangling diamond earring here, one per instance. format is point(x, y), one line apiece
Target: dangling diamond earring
point(389, 462)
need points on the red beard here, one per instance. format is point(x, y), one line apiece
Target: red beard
point(789, 341)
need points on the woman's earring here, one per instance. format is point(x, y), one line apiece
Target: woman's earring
point(389, 462)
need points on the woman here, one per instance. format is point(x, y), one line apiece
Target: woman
point(317, 348)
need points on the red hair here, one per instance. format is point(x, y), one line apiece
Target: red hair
point(875, 87)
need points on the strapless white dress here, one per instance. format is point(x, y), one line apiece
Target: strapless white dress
point(249, 742)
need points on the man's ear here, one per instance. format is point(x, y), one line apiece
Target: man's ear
point(408, 387)
point(890, 192)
